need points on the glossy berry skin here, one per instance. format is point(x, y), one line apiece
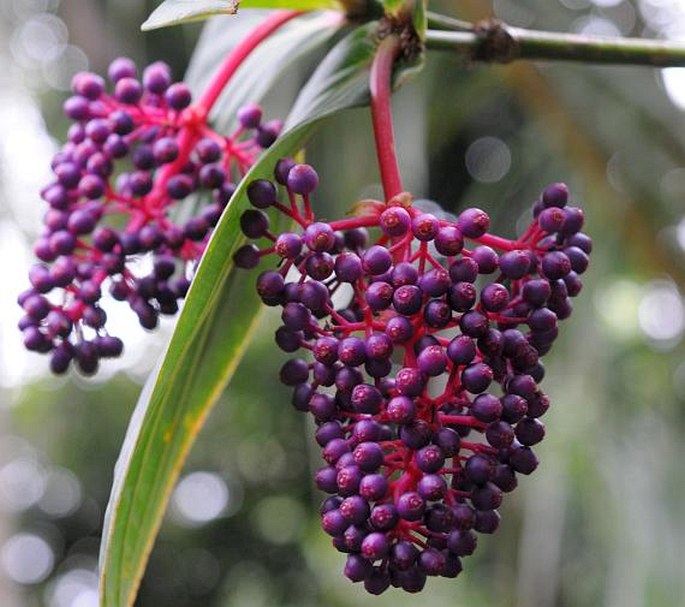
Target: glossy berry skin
point(129, 160)
point(424, 385)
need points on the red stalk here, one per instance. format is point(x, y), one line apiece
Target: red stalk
point(240, 53)
point(200, 110)
point(381, 113)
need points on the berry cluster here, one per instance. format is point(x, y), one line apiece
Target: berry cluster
point(425, 372)
point(131, 155)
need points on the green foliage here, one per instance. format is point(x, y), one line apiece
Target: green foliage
point(420, 19)
point(168, 417)
point(341, 80)
point(176, 12)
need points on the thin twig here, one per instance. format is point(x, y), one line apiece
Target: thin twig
point(443, 22)
point(493, 41)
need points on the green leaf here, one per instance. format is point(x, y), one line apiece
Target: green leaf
point(218, 318)
point(341, 80)
point(420, 18)
point(215, 325)
point(176, 12)
point(392, 7)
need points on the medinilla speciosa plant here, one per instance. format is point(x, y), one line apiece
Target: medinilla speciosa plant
point(415, 335)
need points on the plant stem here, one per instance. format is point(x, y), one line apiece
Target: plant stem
point(380, 85)
point(240, 52)
point(443, 22)
point(189, 134)
point(499, 43)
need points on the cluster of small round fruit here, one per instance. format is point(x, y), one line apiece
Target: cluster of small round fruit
point(132, 154)
point(422, 363)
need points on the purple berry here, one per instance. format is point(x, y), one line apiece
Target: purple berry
point(411, 506)
point(302, 179)
point(122, 67)
point(128, 90)
point(319, 237)
point(449, 241)
point(555, 195)
point(157, 77)
point(178, 96)
point(432, 361)
point(268, 133)
point(401, 410)
point(425, 227)
point(473, 222)
point(288, 245)
point(366, 399)
point(407, 299)
point(376, 260)
point(250, 116)
point(486, 258)
point(395, 221)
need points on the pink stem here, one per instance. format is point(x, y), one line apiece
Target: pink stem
point(189, 133)
point(240, 52)
point(381, 114)
point(497, 242)
point(355, 222)
point(462, 420)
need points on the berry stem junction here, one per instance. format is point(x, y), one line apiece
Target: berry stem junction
point(197, 117)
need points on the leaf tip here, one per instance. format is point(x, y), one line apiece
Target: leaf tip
point(153, 22)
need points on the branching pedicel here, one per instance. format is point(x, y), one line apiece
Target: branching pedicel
point(419, 447)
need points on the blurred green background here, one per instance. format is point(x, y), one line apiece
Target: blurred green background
point(600, 523)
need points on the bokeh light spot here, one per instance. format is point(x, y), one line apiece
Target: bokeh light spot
point(62, 495)
point(200, 497)
point(606, 3)
point(661, 313)
point(59, 72)
point(576, 5)
point(279, 519)
point(680, 233)
point(674, 82)
point(488, 159)
point(75, 588)
point(595, 26)
point(21, 484)
point(27, 558)
point(39, 40)
point(617, 306)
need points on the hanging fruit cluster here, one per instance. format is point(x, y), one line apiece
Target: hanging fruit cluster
point(420, 363)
